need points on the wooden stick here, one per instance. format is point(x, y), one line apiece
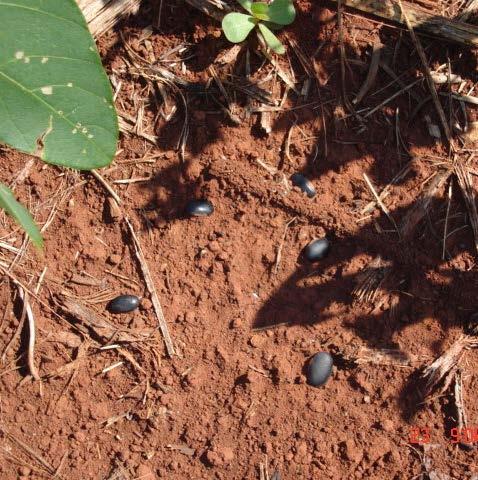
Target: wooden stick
point(421, 19)
point(469, 195)
point(214, 8)
point(380, 203)
point(31, 337)
point(107, 186)
point(152, 290)
point(101, 15)
point(372, 73)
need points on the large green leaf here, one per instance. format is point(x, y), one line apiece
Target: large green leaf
point(282, 12)
point(237, 26)
point(271, 40)
point(260, 10)
point(20, 214)
point(55, 98)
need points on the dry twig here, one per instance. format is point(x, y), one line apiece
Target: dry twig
point(419, 209)
point(428, 76)
point(152, 290)
point(281, 245)
point(462, 421)
point(31, 337)
point(380, 202)
point(440, 374)
point(369, 282)
point(466, 185)
point(101, 15)
point(372, 73)
point(384, 356)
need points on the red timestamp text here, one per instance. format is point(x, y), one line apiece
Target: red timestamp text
point(422, 435)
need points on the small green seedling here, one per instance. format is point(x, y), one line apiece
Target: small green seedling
point(266, 16)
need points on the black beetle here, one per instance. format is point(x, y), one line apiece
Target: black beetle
point(298, 180)
point(123, 304)
point(317, 249)
point(199, 208)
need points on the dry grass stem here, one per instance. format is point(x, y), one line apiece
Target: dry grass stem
point(385, 356)
point(106, 185)
point(281, 245)
point(127, 181)
point(380, 203)
point(466, 185)
point(439, 375)
point(386, 190)
point(345, 99)
point(16, 334)
point(392, 97)
point(112, 367)
point(280, 72)
point(372, 73)
point(445, 228)
point(101, 15)
point(31, 336)
point(428, 76)
point(184, 449)
point(152, 290)
point(470, 9)
point(420, 208)
point(462, 421)
point(126, 125)
point(369, 281)
point(30, 451)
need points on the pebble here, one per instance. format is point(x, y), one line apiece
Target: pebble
point(257, 341)
point(123, 304)
point(114, 259)
point(146, 304)
point(144, 472)
point(351, 451)
point(214, 246)
point(324, 15)
point(236, 323)
point(387, 425)
point(298, 180)
point(320, 368)
point(317, 249)
point(219, 456)
point(199, 208)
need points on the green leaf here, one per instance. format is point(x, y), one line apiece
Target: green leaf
point(246, 5)
point(260, 10)
point(282, 12)
point(55, 98)
point(237, 26)
point(273, 26)
point(20, 214)
point(271, 40)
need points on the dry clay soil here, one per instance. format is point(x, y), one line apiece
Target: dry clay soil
point(244, 311)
